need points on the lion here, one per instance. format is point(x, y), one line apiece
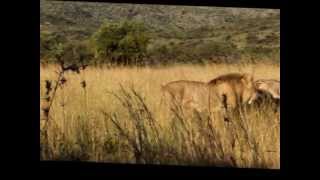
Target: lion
point(268, 93)
point(190, 95)
point(231, 91)
point(271, 86)
point(225, 92)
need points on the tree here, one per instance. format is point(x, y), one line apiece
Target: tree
point(121, 43)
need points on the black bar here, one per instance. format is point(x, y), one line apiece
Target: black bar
point(90, 168)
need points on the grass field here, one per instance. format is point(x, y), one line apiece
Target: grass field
point(105, 123)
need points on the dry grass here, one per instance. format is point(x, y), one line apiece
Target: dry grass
point(92, 124)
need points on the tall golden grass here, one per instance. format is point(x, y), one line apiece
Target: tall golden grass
point(117, 117)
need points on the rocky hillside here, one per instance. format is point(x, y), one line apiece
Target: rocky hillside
point(89, 16)
point(184, 25)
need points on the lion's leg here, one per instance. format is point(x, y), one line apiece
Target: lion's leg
point(229, 103)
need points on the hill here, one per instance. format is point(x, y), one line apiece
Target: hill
point(186, 26)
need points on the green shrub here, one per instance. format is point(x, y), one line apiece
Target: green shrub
point(50, 43)
point(120, 43)
point(75, 52)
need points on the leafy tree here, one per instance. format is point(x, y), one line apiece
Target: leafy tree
point(121, 43)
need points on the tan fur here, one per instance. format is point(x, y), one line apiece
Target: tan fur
point(232, 90)
point(224, 92)
point(188, 94)
point(270, 86)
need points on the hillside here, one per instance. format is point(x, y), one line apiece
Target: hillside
point(184, 25)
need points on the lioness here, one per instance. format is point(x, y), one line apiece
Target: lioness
point(188, 94)
point(269, 85)
point(268, 92)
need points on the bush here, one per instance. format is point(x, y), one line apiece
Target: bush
point(55, 47)
point(217, 50)
point(120, 43)
point(76, 52)
point(252, 38)
point(49, 45)
point(270, 54)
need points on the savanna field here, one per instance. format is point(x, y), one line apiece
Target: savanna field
point(116, 116)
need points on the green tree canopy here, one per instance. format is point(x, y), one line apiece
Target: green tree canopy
point(120, 42)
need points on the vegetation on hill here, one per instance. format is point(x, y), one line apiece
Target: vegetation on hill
point(159, 34)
